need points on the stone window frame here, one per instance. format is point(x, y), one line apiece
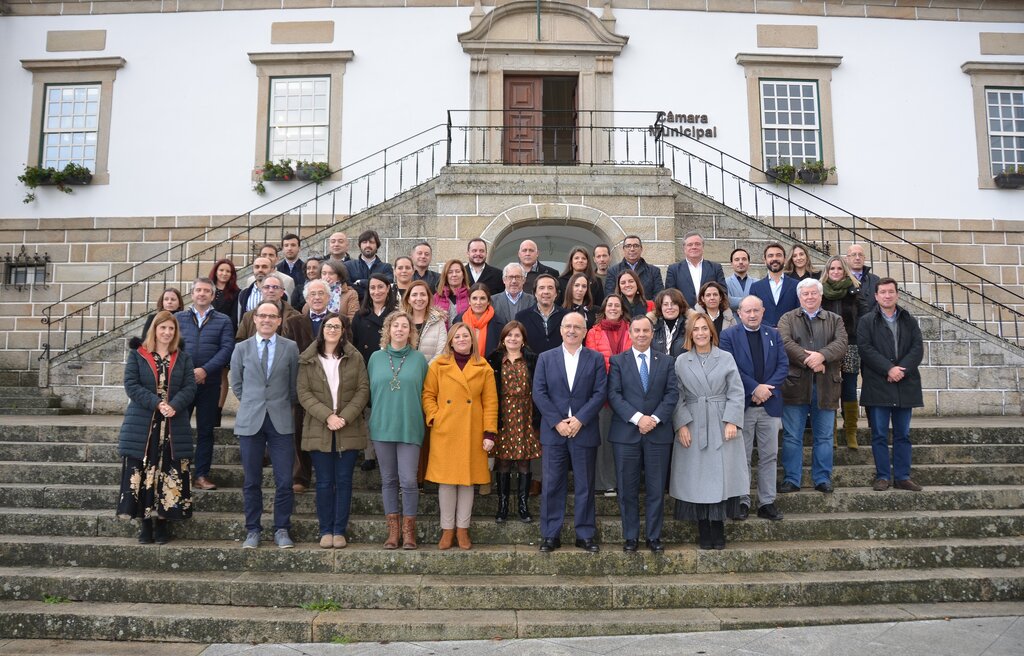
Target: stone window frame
point(812, 68)
point(271, 65)
point(96, 70)
point(983, 75)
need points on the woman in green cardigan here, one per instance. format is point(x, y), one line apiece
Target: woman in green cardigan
point(396, 422)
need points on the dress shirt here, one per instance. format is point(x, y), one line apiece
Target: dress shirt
point(637, 416)
point(255, 298)
point(270, 347)
point(776, 287)
point(200, 317)
point(696, 270)
point(572, 362)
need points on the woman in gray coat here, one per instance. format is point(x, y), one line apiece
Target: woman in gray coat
point(709, 463)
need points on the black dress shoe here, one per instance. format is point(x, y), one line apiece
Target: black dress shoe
point(547, 545)
point(587, 545)
point(769, 511)
point(787, 487)
point(655, 546)
point(368, 465)
point(743, 513)
point(824, 488)
point(629, 546)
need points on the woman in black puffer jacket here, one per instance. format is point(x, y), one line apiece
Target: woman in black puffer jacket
point(156, 441)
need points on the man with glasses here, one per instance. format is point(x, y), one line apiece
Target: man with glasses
point(868, 281)
point(632, 258)
point(264, 368)
point(510, 302)
point(251, 296)
point(272, 291)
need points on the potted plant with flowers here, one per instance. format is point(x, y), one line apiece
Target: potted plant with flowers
point(280, 172)
point(312, 171)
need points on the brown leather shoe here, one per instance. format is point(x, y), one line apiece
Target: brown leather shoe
point(298, 488)
point(462, 535)
point(907, 484)
point(881, 485)
point(392, 540)
point(447, 539)
point(204, 483)
point(408, 532)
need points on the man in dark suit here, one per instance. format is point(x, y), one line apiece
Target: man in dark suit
point(263, 376)
point(776, 290)
point(690, 275)
point(569, 389)
point(763, 365)
point(642, 392)
point(529, 257)
point(632, 258)
point(479, 270)
point(360, 269)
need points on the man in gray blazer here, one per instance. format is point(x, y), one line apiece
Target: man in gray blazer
point(642, 392)
point(263, 373)
point(512, 300)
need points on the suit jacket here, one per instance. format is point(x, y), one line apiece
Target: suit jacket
point(678, 276)
point(297, 274)
point(737, 291)
point(787, 299)
point(490, 276)
point(503, 308)
point(553, 398)
point(627, 397)
point(260, 395)
point(776, 363)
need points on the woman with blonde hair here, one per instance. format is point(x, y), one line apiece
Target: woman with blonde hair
point(798, 265)
point(460, 401)
point(156, 443)
point(841, 294)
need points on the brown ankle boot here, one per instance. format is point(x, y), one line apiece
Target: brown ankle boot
point(447, 539)
point(408, 532)
point(392, 540)
point(462, 535)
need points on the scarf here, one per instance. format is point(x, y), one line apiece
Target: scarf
point(615, 332)
point(444, 303)
point(479, 326)
point(836, 290)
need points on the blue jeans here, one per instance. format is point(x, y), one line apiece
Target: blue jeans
point(281, 448)
point(205, 406)
point(880, 419)
point(794, 419)
point(333, 488)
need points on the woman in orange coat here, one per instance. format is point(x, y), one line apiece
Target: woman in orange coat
point(460, 401)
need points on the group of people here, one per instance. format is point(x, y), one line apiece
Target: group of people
point(444, 376)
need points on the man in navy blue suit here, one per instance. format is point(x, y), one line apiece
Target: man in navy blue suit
point(776, 290)
point(642, 391)
point(690, 275)
point(569, 389)
point(763, 364)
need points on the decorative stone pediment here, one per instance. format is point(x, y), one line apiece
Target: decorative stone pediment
point(564, 29)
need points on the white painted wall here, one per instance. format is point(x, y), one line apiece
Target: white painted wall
point(184, 106)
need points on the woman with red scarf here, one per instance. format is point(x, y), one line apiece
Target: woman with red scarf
point(609, 336)
point(480, 318)
point(452, 295)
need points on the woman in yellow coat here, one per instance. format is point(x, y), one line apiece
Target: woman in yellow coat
point(460, 401)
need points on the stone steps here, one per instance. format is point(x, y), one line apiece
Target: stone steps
point(522, 592)
point(182, 623)
point(368, 501)
point(34, 551)
point(371, 529)
point(225, 454)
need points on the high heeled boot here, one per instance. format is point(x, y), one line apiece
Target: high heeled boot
point(523, 497)
point(704, 534)
point(392, 540)
point(504, 485)
point(718, 535)
point(447, 539)
point(146, 532)
point(850, 414)
point(161, 532)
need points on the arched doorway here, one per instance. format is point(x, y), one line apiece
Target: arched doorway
point(553, 241)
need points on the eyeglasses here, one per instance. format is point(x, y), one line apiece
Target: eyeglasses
point(631, 245)
point(272, 287)
point(268, 316)
point(332, 326)
point(513, 277)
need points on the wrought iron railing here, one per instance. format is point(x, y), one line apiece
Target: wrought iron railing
point(820, 224)
point(79, 319)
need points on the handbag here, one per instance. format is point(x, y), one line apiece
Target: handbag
point(851, 361)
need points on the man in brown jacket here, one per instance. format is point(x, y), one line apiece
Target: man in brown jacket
point(815, 342)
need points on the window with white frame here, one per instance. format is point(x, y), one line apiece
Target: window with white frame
point(1005, 112)
point(71, 125)
point(299, 118)
point(790, 125)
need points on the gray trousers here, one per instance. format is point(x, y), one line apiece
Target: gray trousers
point(398, 464)
point(759, 426)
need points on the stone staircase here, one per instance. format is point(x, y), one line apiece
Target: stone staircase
point(31, 400)
point(71, 570)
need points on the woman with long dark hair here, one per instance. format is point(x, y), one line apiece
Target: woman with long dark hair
point(631, 290)
point(333, 390)
point(225, 292)
point(713, 300)
point(670, 313)
point(578, 297)
point(480, 318)
point(452, 295)
point(156, 443)
point(579, 261)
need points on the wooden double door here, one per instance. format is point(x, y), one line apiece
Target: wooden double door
point(540, 120)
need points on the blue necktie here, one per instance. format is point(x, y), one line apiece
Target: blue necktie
point(645, 375)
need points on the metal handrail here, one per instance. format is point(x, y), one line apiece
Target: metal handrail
point(814, 231)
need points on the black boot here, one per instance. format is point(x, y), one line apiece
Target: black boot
point(718, 535)
point(524, 496)
point(504, 487)
point(146, 534)
point(161, 532)
point(704, 534)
